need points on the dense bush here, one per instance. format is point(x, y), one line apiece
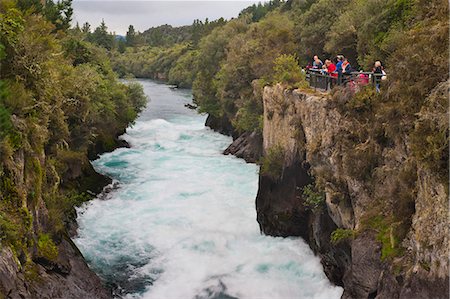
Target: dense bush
point(47, 248)
point(287, 71)
point(58, 94)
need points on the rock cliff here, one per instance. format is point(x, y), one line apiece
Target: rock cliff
point(377, 219)
point(38, 259)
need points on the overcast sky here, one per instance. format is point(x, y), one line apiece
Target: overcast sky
point(145, 14)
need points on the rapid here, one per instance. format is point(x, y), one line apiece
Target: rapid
point(180, 220)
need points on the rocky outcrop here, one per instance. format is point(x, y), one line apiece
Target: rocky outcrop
point(381, 226)
point(247, 146)
point(38, 259)
point(69, 277)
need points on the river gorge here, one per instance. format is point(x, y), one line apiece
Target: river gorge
point(180, 221)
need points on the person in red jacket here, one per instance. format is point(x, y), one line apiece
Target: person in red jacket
point(331, 68)
point(331, 71)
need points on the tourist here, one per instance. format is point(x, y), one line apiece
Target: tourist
point(317, 63)
point(331, 68)
point(339, 61)
point(378, 74)
point(346, 67)
point(331, 71)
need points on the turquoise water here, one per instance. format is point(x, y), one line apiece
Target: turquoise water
point(182, 221)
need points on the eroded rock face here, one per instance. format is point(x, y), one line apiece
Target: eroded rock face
point(247, 146)
point(280, 211)
point(69, 277)
point(25, 272)
point(361, 180)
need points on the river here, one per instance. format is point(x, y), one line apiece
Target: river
point(181, 221)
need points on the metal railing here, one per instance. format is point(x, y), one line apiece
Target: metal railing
point(318, 79)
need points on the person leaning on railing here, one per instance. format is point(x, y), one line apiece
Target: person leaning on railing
point(331, 71)
point(317, 63)
point(339, 62)
point(379, 74)
point(346, 71)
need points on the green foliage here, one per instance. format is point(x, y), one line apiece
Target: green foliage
point(61, 211)
point(131, 36)
point(5, 114)
point(341, 234)
point(386, 234)
point(15, 226)
point(183, 71)
point(272, 164)
point(313, 199)
point(165, 35)
point(260, 10)
point(47, 248)
point(287, 71)
point(249, 117)
point(9, 231)
point(429, 140)
point(101, 37)
point(212, 51)
point(58, 95)
point(59, 13)
point(251, 55)
point(314, 24)
point(361, 104)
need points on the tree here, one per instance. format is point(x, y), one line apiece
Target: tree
point(59, 13)
point(314, 24)
point(86, 29)
point(121, 45)
point(101, 37)
point(131, 36)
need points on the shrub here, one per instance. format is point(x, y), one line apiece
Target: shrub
point(341, 234)
point(429, 140)
point(273, 162)
point(47, 248)
point(387, 235)
point(361, 159)
point(9, 231)
point(249, 117)
point(287, 71)
point(312, 198)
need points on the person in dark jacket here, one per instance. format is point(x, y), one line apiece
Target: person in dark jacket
point(346, 71)
point(378, 73)
point(346, 67)
point(340, 60)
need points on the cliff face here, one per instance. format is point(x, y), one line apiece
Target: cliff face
point(247, 146)
point(38, 259)
point(377, 220)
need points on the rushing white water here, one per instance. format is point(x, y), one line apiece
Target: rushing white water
point(182, 223)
